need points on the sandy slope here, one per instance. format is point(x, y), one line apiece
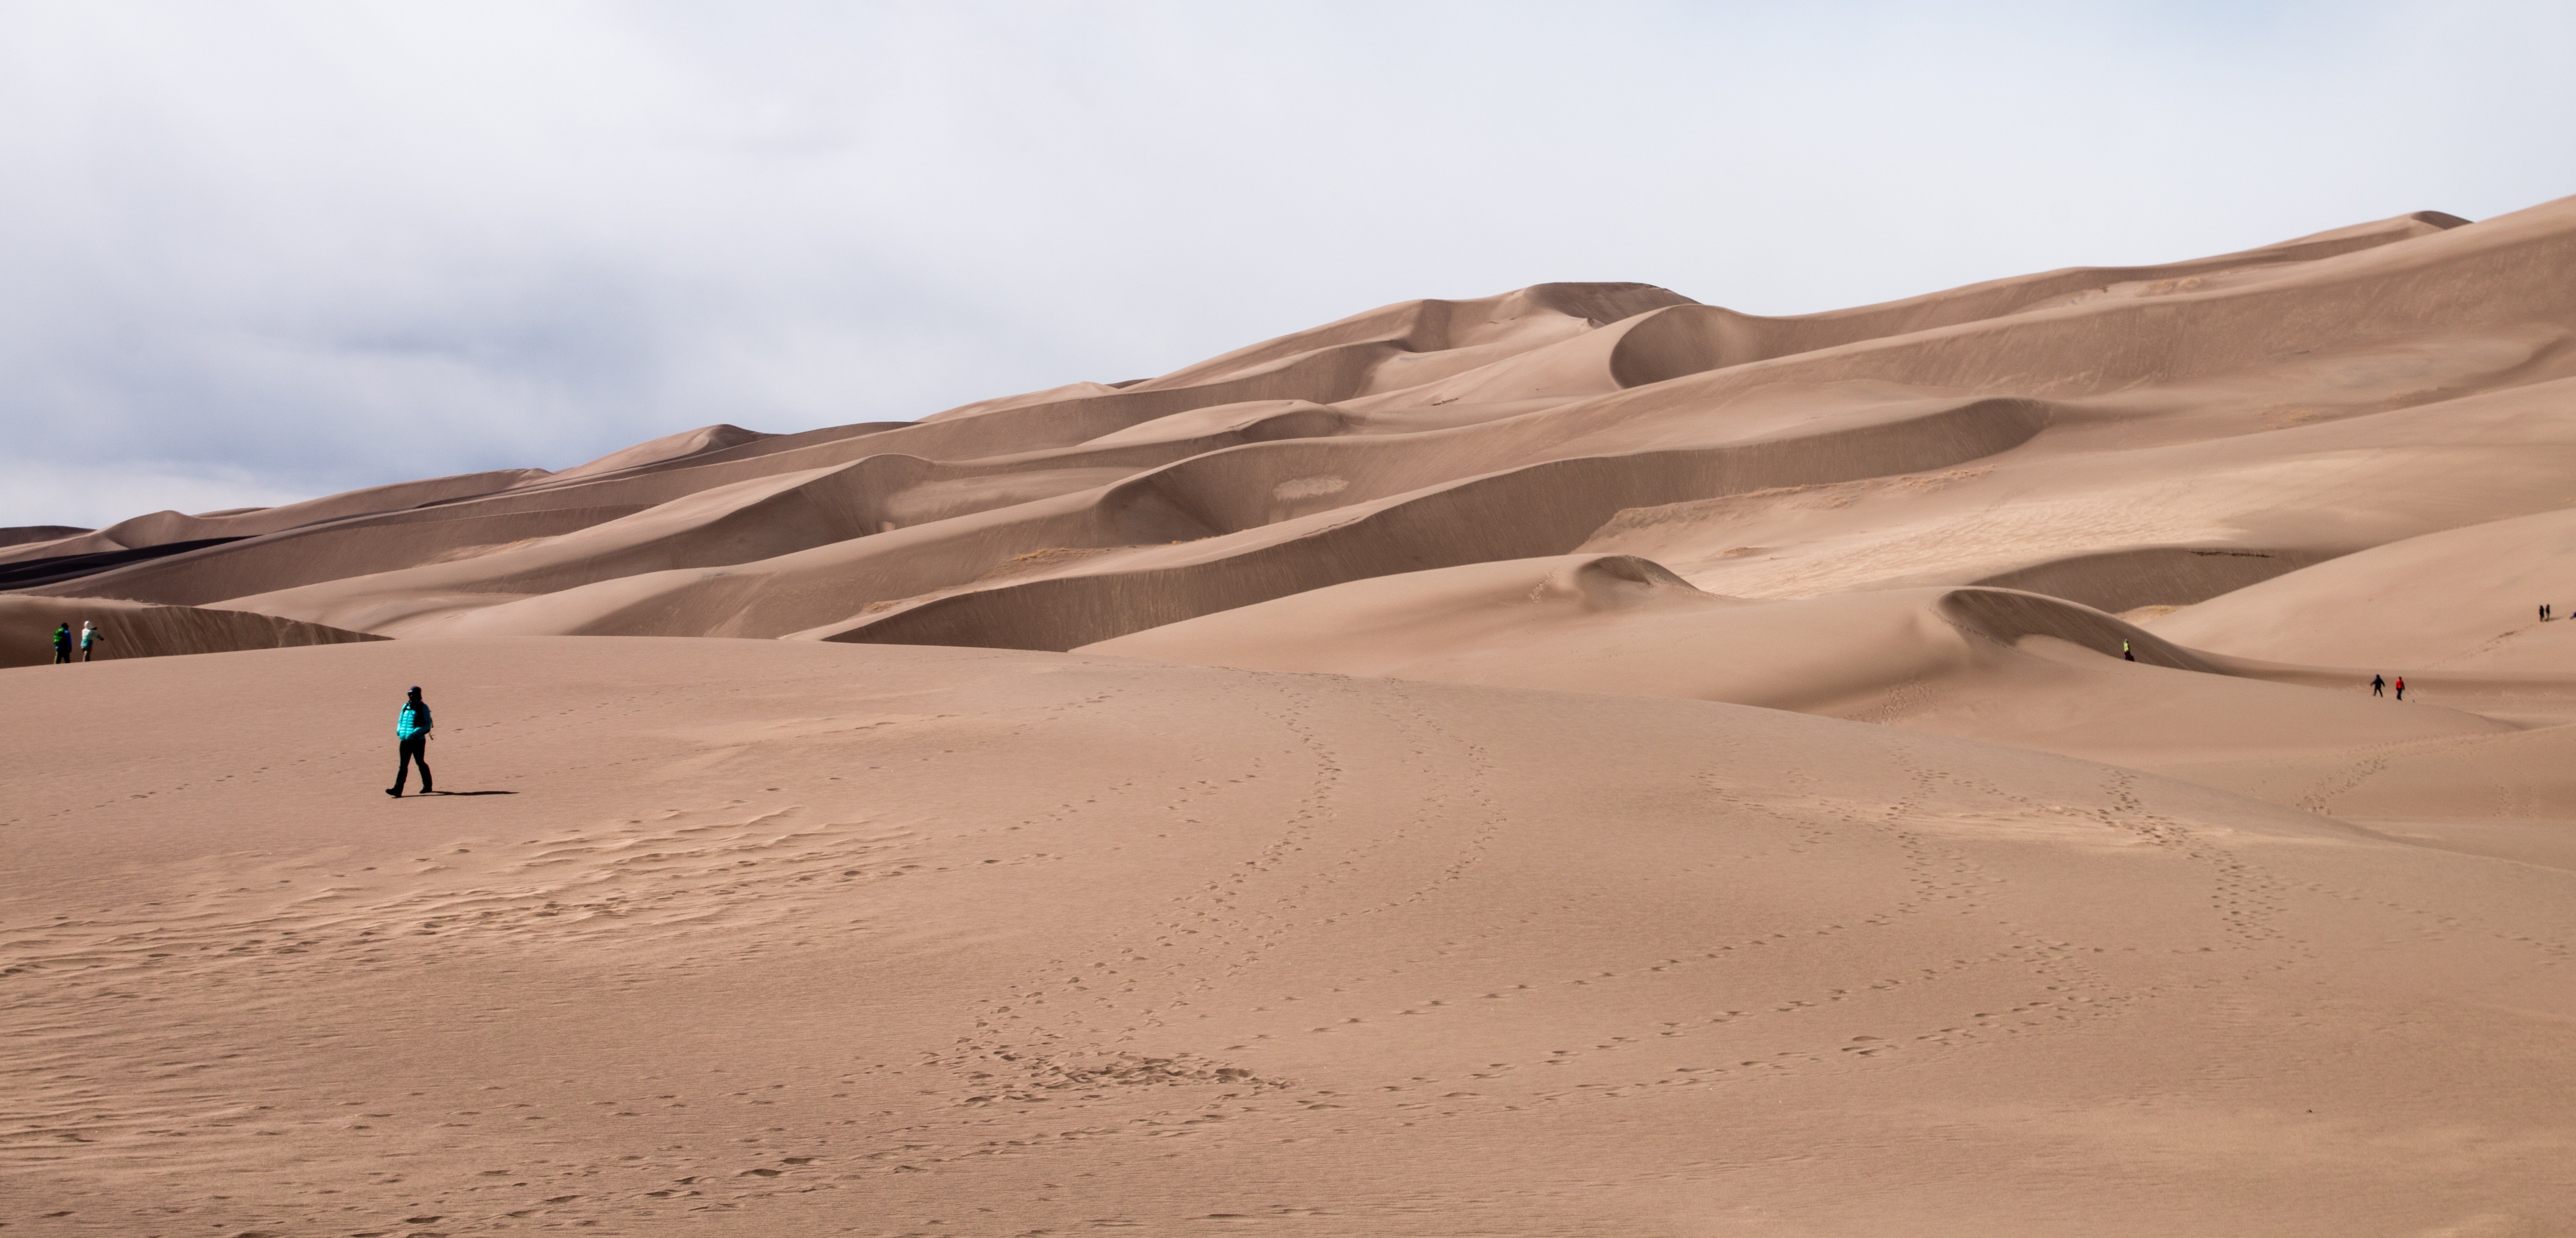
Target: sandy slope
point(137, 630)
point(2460, 599)
point(2122, 438)
point(1576, 761)
point(780, 938)
point(2009, 667)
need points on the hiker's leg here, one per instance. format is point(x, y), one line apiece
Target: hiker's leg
point(402, 765)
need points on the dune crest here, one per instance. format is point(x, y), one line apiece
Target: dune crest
point(2081, 751)
point(2023, 433)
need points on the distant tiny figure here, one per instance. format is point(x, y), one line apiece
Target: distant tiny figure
point(2401, 695)
point(62, 644)
point(2124, 650)
point(2378, 686)
point(91, 635)
point(411, 728)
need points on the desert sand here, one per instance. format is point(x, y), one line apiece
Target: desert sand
point(1578, 761)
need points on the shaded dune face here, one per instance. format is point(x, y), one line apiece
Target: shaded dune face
point(141, 630)
point(1578, 761)
point(1539, 509)
point(2135, 440)
point(1999, 664)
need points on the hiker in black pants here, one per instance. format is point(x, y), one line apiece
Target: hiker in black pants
point(62, 644)
point(411, 727)
point(2378, 686)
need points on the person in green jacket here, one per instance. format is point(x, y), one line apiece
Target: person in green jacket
point(411, 729)
point(62, 644)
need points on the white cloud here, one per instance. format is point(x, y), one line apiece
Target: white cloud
point(94, 496)
point(336, 245)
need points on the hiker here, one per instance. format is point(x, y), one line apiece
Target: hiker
point(2401, 695)
point(2378, 685)
point(62, 644)
point(2124, 650)
point(411, 727)
point(91, 635)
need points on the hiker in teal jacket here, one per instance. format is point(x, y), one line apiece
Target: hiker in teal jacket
point(411, 729)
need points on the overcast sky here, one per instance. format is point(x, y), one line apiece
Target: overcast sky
point(257, 252)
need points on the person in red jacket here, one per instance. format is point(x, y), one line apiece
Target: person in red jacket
point(2401, 695)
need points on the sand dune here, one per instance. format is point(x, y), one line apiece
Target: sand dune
point(163, 528)
point(21, 535)
point(2459, 599)
point(2009, 667)
point(763, 941)
point(140, 630)
point(1576, 761)
point(2200, 426)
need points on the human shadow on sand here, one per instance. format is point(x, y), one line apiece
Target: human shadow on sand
point(419, 794)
